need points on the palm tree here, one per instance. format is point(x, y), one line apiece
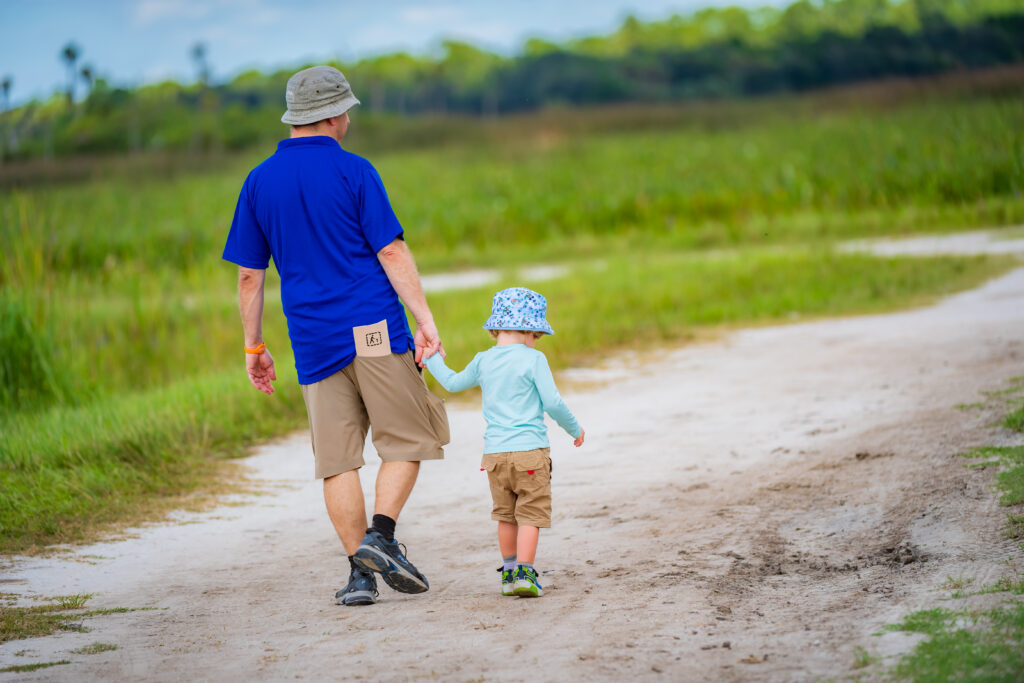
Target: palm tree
point(5, 140)
point(89, 77)
point(5, 85)
point(202, 66)
point(70, 56)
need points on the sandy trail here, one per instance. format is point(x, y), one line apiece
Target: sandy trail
point(719, 499)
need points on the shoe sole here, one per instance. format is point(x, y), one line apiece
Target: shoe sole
point(401, 580)
point(356, 598)
point(527, 591)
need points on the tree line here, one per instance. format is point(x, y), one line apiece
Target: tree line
point(714, 53)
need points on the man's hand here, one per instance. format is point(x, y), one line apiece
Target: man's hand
point(427, 341)
point(579, 439)
point(261, 370)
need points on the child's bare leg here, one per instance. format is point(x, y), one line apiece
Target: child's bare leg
point(507, 534)
point(526, 544)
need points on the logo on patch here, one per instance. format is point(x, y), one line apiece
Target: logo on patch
point(374, 339)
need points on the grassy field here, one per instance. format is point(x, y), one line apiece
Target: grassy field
point(970, 644)
point(121, 380)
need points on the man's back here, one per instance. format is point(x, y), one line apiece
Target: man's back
point(323, 214)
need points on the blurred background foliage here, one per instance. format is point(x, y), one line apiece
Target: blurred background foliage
point(714, 53)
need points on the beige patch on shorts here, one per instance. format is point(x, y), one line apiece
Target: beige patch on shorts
point(372, 340)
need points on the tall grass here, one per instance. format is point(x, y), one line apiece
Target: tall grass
point(30, 374)
point(922, 166)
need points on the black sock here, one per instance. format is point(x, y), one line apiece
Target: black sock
point(385, 525)
point(352, 564)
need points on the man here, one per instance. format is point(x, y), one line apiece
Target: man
point(323, 214)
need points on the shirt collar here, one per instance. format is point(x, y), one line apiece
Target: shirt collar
point(300, 142)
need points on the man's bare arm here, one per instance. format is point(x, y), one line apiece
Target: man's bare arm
point(260, 366)
point(400, 268)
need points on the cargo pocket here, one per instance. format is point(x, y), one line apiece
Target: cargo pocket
point(489, 462)
point(438, 417)
point(532, 462)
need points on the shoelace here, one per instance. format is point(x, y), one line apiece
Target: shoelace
point(402, 554)
point(530, 574)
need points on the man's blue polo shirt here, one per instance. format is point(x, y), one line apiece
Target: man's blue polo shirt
point(323, 214)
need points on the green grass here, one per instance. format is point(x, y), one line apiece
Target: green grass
point(23, 668)
point(1015, 418)
point(1009, 479)
point(964, 645)
point(94, 649)
point(17, 623)
point(973, 644)
point(62, 613)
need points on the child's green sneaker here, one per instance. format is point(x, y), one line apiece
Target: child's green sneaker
point(508, 581)
point(526, 584)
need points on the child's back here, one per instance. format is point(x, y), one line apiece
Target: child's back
point(517, 389)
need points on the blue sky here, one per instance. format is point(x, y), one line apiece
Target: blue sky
point(140, 41)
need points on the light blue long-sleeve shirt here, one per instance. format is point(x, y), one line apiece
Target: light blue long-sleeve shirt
point(517, 390)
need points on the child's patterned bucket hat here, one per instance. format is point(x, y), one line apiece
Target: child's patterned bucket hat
point(519, 308)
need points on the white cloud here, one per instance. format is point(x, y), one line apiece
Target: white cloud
point(266, 16)
point(431, 15)
point(148, 12)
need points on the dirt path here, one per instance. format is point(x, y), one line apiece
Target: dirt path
point(734, 515)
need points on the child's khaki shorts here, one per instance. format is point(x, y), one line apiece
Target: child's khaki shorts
point(520, 486)
point(384, 392)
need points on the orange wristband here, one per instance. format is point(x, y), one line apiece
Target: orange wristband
point(259, 348)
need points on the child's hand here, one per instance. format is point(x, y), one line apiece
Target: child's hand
point(579, 439)
point(427, 353)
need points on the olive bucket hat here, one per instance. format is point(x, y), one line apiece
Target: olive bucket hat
point(519, 308)
point(315, 94)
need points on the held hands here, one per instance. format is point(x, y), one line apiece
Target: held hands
point(260, 367)
point(578, 441)
point(427, 341)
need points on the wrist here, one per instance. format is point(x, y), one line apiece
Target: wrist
point(256, 347)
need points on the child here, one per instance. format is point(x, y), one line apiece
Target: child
point(517, 390)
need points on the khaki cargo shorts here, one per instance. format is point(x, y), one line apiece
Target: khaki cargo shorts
point(520, 486)
point(383, 392)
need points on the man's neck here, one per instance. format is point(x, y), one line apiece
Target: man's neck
point(310, 133)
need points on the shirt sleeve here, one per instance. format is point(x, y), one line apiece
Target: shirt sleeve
point(247, 244)
point(550, 398)
point(376, 217)
point(451, 380)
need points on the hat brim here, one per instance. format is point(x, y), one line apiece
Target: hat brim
point(536, 327)
point(306, 116)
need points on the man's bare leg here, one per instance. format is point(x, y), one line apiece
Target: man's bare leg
point(380, 553)
point(343, 495)
point(394, 484)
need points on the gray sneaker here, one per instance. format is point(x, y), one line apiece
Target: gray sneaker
point(376, 554)
point(361, 589)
